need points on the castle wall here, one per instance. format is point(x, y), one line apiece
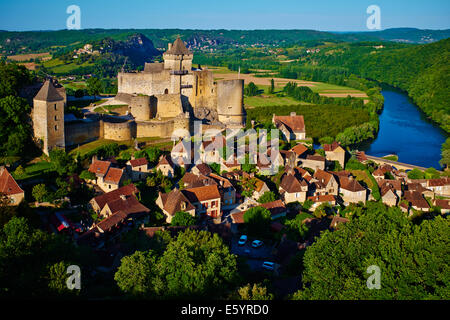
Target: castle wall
point(167, 105)
point(154, 128)
point(119, 131)
point(145, 83)
point(140, 107)
point(79, 132)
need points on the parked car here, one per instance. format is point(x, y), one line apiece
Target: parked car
point(247, 252)
point(242, 240)
point(268, 265)
point(257, 243)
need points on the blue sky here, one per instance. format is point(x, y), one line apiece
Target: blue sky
point(324, 15)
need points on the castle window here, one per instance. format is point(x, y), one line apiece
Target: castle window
point(55, 106)
point(166, 91)
point(56, 128)
point(56, 118)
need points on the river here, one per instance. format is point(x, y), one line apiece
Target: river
point(406, 132)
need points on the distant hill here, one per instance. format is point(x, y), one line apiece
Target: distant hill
point(42, 41)
point(406, 35)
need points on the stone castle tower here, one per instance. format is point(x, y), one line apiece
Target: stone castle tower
point(48, 116)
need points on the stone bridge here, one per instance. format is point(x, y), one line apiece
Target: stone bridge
point(361, 156)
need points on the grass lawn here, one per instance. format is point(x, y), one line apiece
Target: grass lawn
point(88, 147)
point(270, 100)
point(391, 157)
point(34, 170)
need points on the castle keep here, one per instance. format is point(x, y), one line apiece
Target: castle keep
point(162, 98)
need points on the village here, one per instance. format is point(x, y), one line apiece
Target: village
point(320, 186)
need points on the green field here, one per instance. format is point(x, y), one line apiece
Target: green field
point(269, 100)
point(59, 67)
point(34, 170)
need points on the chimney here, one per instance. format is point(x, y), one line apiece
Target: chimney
point(123, 197)
point(293, 114)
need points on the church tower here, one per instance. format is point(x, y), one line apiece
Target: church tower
point(48, 117)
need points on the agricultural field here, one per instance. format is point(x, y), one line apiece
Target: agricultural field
point(57, 66)
point(324, 89)
point(26, 57)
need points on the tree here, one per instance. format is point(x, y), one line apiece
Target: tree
point(323, 210)
point(195, 264)
point(257, 220)
point(255, 292)
point(413, 259)
point(251, 90)
point(268, 196)
point(94, 86)
point(272, 86)
point(63, 162)
point(87, 175)
point(183, 218)
point(136, 273)
point(416, 174)
point(40, 192)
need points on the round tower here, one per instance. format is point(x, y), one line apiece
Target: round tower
point(230, 102)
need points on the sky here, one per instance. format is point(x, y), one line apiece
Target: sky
point(323, 15)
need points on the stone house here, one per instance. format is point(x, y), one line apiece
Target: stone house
point(325, 183)
point(10, 188)
point(166, 166)
point(277, 209)
point(206, 200)
point(318, 200)
point(137, 169)
point(391, 191)
point(260, 188)
point(292, 127)
point(98, 203)
point(352, 191)
point(416, 200)
point(300, 152)
point(173, 202)
point(378, 174)
point(108, 178)
point(125, 204)
point(444, 204)
point(292, 189)
point(201, 169)
point(439, 186)
point(226, 190)
point(334, 152)
point(314, 162)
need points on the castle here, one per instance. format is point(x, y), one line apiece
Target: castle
point(160, 99)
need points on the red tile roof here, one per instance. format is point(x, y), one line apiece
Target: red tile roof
point(291, 184)
point(164, 160)
point(294, 123)
point(114, 220)
point(275, 207)
point(113, 176)
point(202, 193)
point(138, 162)
point(438, 182)
point(443, 204)
point(8, 185)
point(350, 184)
point(108, 197)
point(323, 198)
point(128, 205)
point(299, 149)
point(99, 167)
point(331, 147)
point(172, 202)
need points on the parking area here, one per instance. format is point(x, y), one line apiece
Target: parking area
point(264, 252)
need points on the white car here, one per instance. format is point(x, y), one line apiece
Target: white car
point(257, 243)
point(268, 265)
point(242, 240)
